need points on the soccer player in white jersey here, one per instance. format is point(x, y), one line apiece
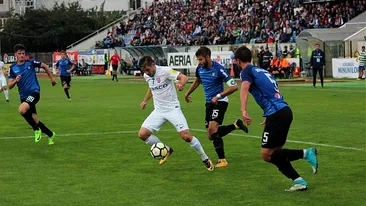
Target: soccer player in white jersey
point(166, 107)
point(3, 85)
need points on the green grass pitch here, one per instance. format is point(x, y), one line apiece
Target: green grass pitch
point(98, 159)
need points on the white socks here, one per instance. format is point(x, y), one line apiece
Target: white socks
point(152, 140)
point(6, 92)
point(196, 145)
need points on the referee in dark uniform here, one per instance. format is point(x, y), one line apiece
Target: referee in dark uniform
point(317, 63)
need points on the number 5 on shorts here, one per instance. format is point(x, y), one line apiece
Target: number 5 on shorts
point(215, 113)
point(265, 138)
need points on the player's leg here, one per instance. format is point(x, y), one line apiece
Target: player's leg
point(114, 68)
point(6, 93)
point(26, 109)
point(44, 129)
point(360, 72)
point(321, 76)
point(4, 88)
point(65, 82)
point(212, 132)
point(178, 120)
point(314, 76)
point(152, 124)
point(274, 137)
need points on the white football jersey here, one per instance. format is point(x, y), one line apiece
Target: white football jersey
point(1, 68)
point(163, 88)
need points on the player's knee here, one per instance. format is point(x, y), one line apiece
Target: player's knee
point(211, 130)
point(144, 133)
point(22, 110)
point(186, 135)
point(266, 155)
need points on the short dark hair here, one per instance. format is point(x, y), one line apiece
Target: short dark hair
point(243, 54)
point(146, 61)
point(63, 51)
point(317, 44)
point(18, 47)
point(362, 47)
point(203, 51)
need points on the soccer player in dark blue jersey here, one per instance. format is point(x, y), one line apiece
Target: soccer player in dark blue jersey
point(278, 118)
point(23, 74)
point(65, 66)
point(213, 75)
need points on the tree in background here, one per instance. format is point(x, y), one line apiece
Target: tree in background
point(45, 30)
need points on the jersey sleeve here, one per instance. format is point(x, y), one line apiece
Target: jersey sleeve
point(11, 74)
point(197, 74)
point(224, 75)
point(247, 75)
point(1, 65)
point(171, 73)
point(36, 63)
point(57, 63)
point(70, 63)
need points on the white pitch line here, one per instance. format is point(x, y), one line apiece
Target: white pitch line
point(198, 130)
point(76, 134)
point(295, 141)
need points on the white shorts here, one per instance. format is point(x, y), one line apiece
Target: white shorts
point(157, 119)
point(2, 81)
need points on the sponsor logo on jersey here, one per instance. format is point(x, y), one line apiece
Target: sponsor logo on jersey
point(159, 87)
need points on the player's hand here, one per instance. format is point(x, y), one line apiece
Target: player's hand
point(53, 82)
point(246, 118)
point(311, 67)
point(263, 123)
point(215, 100)
point(143, 105)
point(18, 78)
point(68, 71)
point(187, 98)
point(180, 87)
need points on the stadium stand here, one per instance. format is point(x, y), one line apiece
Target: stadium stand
point(201, 22)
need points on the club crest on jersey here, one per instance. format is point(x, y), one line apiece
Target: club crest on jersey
point(158, 79)
point(278, 95)
point(213, 73)
point(29, 68)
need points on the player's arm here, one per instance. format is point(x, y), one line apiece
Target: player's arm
point(232, 87)
point(12, 79)
point(183, 79)
point(12, 82)
point(191, 89)
point(311, 59)
point(73, 67)
point(146, 99)
point(48, 71)
point(244, 92)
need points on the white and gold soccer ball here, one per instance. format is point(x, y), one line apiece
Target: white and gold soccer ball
point(158, 150)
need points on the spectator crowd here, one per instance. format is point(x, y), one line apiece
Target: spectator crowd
point(214, 22)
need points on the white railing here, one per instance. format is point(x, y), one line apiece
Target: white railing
point(129, 13)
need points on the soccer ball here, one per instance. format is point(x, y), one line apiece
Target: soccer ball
point(158, 150)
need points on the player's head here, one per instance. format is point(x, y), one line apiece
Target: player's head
point(115, 52)
point(363, 48)
point(317, 46)
point(63, 54)
point(147, 65)
point(243, 56)
point(19, 52)
point(203, 55)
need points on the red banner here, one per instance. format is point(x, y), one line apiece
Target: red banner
point(98, 69)
point(72, 55)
